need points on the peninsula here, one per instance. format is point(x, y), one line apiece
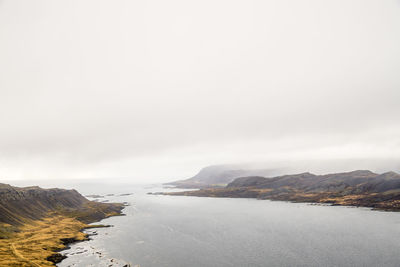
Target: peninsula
point(357, 188)
point(36, 223)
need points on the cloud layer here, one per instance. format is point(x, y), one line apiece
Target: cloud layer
point(157, 89)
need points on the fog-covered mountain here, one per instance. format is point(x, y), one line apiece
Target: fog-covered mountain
point(220, 175)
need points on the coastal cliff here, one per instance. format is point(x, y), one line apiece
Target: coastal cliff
point(35, 223)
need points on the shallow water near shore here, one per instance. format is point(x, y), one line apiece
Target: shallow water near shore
point(190, 231)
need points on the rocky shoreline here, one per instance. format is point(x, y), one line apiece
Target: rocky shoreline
point(57, 257)
point(88, 249)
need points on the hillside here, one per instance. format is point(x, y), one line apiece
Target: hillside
point(221, 175)
point(19, 205)
point(35, 223)
point(356, 188)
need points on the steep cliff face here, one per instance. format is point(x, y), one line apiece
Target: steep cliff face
point(17, 205)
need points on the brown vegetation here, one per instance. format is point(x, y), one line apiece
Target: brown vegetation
point(38, 240)
point(35, 223)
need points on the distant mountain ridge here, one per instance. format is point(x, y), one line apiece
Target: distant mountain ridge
point(355, 188)
point(358, 181)
point(221, 175)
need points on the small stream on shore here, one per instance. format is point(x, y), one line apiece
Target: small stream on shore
point(174, 231)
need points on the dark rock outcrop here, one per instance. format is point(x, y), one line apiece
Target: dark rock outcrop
point(56, 257)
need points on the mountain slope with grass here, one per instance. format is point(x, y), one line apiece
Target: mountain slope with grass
point(35, 223)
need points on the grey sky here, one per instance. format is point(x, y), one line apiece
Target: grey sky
point(154, 90)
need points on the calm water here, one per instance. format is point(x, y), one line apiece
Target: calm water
point(189, 231)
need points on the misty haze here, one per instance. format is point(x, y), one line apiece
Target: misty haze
point(213, 133)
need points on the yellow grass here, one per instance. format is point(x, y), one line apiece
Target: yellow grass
point(344, 200)
point(39, 239)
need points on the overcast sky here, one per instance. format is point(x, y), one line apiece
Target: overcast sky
point(154, 90)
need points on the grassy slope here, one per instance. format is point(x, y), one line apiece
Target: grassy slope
point(38, 240)
point(31, 243)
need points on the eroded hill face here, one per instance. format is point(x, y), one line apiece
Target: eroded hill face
point(19, 205)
